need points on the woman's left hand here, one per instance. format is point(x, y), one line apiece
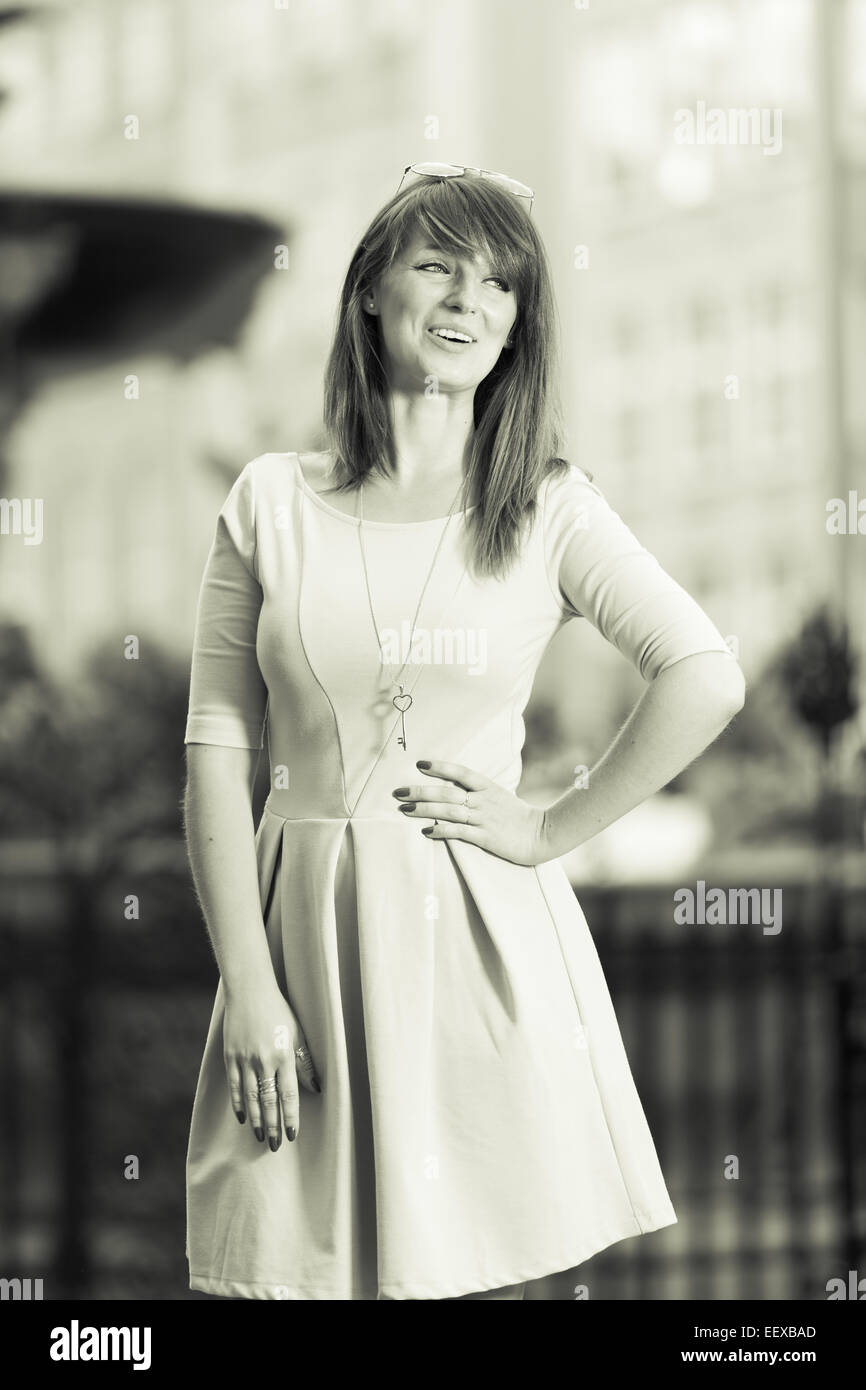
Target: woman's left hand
point(465, 805)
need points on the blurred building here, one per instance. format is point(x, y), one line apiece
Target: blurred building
point(308, 112)
point(696, 283)
point(715, 312)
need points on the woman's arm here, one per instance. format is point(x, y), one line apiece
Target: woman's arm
point(680, 714)
point(260, 1029)
point(598, 569)
point(220, 837)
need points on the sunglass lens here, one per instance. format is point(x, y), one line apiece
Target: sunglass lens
point(520, 189)
point(442, 171)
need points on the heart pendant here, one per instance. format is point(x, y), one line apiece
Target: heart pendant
point(402, 702)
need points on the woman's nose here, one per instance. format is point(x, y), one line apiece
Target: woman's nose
point(464, 291)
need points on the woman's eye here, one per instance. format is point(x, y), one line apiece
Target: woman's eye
point(438, 265)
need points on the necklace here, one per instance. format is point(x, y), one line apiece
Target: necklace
point(403, 700)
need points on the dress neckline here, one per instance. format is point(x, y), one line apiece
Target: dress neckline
point(355, 520)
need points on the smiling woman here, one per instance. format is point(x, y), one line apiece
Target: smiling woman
point(409, 990)
point(456, 301)
point(459, 254)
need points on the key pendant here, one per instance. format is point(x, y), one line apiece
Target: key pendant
point(402, 703)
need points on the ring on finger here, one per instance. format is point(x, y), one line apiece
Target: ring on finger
point(302, 1054)
point(267, 1085)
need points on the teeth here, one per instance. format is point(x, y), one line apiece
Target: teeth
point(449, 333)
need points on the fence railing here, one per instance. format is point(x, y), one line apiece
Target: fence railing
point(748, 1051)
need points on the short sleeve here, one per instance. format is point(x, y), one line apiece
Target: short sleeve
point(599, 570)
point(228, 694)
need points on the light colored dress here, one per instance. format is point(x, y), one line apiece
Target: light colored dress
point(479, 1125)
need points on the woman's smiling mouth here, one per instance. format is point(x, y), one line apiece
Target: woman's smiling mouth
point(451, 337)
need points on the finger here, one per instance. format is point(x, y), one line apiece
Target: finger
point(450, 830)
point(419, 790)
point(236, 1088)
point(251, 1094)
point(290, 1107)
point(270, 1109)
point(456, 811)
point(430, 791)
point(306, 1067)
point(465, 777)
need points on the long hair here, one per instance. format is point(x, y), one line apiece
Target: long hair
point(517, 413)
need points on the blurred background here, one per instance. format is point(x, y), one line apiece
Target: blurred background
point(182, 183)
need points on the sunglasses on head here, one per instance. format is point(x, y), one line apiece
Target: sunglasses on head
point(456, 171)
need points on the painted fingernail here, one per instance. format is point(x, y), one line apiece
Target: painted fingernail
point(291, 1134)
point(259, 1133)
point(400, 791)
point(315, 1084)
point(408, 806)
point(427, 830)
point(422, 764)
point(241, 1117)
point(274, 1142)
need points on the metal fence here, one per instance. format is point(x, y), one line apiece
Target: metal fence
point(748, 1051)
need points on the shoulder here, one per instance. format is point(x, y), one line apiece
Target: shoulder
point(263, 484)
point(317, 470)
point(567, 493)
point(272, 476)
point(564, 478)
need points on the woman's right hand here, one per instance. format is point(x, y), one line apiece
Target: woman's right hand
point(260, 1036)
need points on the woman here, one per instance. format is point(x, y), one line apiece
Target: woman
point(409, 990)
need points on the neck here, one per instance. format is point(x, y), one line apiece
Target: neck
point(431, 438)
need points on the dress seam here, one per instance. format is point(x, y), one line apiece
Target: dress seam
point(264, 730)
point(301, 557)
point(253, 523)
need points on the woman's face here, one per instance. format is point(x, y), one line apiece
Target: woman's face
point(443, 317)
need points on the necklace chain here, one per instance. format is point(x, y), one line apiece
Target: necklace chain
point(402, 701)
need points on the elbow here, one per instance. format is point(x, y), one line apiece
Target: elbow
point(732, 687)
point(215, 770)
point(716, 680)
point(725, 688)
point(740, 687)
